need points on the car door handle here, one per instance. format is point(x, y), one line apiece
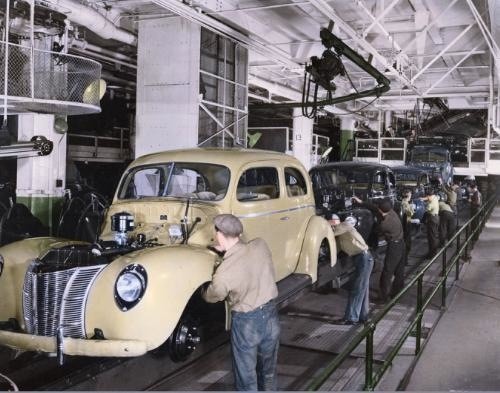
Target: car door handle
point(284, 218)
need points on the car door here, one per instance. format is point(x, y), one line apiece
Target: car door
point(259, 203)
point(299, 208)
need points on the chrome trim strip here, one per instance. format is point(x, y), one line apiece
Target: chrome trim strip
point(252, 215)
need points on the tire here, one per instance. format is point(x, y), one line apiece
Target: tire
point(182, 342)
point(325, 273)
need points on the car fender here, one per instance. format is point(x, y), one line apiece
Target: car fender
point(17, 256)
point(174, 273)
point(317, 230)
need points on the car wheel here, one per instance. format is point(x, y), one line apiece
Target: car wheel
point(324, 270)
point(183, 340)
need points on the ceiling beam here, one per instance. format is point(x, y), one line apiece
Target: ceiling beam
point(430, 25)
point(263, 48)
point(380, 17)
point(443, 51)
point(385, 33)
point(451, 69)
point(495, 51)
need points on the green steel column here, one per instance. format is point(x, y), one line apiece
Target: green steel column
point(45, 208)
point(345, 137)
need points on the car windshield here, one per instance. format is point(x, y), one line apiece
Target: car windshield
point(428, 155)
point(406, 177)
point(176, 179)
point(343, 177)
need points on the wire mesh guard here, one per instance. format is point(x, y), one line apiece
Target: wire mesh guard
point(48, 82)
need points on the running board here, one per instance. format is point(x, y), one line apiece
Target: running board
point(291, 288)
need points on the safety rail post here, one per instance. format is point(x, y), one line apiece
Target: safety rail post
point(369, 358)
point(96, 146)
point(467, 234)
point(444, 278)
point(419, 314)
point(457, 259)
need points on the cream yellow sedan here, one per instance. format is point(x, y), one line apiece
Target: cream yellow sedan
point(136, 287)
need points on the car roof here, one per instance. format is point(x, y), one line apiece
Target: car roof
point(347, 164)
point(223, 156)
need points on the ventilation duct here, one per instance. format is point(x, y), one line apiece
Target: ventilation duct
point(92, 20)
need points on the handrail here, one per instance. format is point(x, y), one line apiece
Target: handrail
point(368, 330)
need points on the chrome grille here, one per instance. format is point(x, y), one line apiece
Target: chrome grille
point(57, 299)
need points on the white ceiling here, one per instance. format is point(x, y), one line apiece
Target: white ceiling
point(427, 48)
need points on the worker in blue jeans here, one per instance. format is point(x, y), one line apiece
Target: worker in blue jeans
point(245, 278)
point(352, 243)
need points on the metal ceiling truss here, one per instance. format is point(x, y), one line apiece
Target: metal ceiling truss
point(443, 51)
point(386, 34)
point(214, 25)
point(430, 25)
point(376, 20)
point(450, 70)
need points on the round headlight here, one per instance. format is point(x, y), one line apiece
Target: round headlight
point(130, 286)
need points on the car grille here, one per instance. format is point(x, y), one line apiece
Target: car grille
point(55, 299)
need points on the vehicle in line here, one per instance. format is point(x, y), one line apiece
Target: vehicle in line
point(137, 288)
point(434, 159)
point(334, 186)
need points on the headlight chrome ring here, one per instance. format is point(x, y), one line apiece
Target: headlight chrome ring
point(130, 286)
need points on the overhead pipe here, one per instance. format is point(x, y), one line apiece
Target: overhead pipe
point(92, 20)
point(84, 45)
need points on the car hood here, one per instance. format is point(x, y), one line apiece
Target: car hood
point(163, 220)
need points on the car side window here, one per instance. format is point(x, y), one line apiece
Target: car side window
point(144, 183)
point(295, 183)
point(256, 184)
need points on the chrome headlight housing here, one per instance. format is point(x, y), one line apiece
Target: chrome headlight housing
point(1, 265)
point(130, 286)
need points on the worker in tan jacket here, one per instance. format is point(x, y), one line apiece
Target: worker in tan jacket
point(246, 279)
point(352, 243)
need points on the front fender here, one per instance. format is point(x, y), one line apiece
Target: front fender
point(173, 275)
point(317, 230)
point(17, 257)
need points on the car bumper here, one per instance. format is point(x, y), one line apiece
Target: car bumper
point(73, 346)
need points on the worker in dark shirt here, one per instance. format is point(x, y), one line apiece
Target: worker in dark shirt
point(391, 229)
point(447, 222)
point(475, 200)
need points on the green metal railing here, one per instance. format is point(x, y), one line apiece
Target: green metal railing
point(462, 250)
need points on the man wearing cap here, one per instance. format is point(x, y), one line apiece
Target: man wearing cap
point(447, 222)
point(391, 229)
point(246, 279)
point(352, 243)
point(432, 221)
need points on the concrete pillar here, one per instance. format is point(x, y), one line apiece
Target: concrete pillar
point(167, 85)
point(41, 180)
point(387, 119)
point(302, 137)
point(346, 135)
